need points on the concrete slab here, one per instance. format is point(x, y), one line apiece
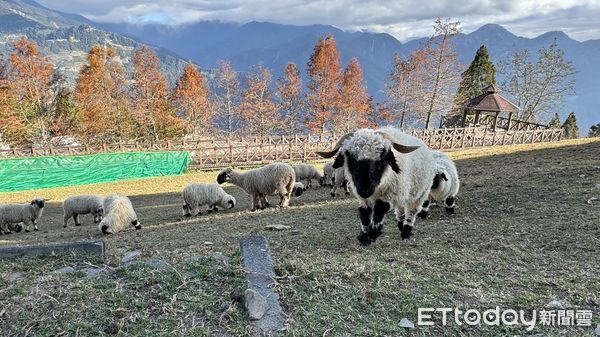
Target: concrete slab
point(77, 248)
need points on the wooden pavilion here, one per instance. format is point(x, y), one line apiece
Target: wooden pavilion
point(486, 109)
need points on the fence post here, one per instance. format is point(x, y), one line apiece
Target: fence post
point(304, 156)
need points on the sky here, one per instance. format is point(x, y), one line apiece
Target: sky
point(404, 19)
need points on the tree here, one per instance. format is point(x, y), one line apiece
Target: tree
point(191, 99)
point(153, 111)
point(442, 63)
point(227, 98)
point(325, 76)
point(260, 113)
point(13, 129)
point(570, 127)
point(594, 131)
point(480, 74)
point(289, 91)
point(355, 105)
point(30, 76)
point(538, 87)
point(555, 122)
point(101, 96)
point(66, 120)
point(406, 87)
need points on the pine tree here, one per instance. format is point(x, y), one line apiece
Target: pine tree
point(289, 91)
point(66, 120)
point(260, 113)
point(555, 122)
point(355, 105)
point(570, 127)
point(594, 131)
point(325, 76)
point(479, 75)
point(191, 99)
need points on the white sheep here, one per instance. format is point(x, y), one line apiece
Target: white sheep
point(118, 214)
point(308, 172)
point(385, 168)
point(13, 216)
point(328, 174)
point(298, 191)
point(445, 185)
point(273, 179)
point(210, 195)
point(76, 205)
point(339, 180)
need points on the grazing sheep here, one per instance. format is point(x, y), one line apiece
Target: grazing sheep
point(277, 178)
point(298, 189)
point(82, 204)
point(385, 168)
point(308, 172)
point(445, 185)
point(211, 195)
point(339, 180)
point(328, 174)
point(12, 215)
point(118, 214)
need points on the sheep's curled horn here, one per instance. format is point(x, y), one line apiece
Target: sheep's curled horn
point(398, 147)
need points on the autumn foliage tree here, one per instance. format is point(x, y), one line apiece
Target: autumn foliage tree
point(226, 98)
point(289, 91)
point(101, 96)
point(260, 112)
point(354, 104)
point(407, 87)
point(30, 77)
point(324, 71)
point(191, 98)
point(12, 126)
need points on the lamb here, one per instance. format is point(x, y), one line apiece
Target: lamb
point(385, 168)
point(118, 214)
point(13, 216)
point(445, 185)
point(277, 178)
point(339, 180)
point(328, 174)
point(211, 195)
point(308, 172)
point(76, 205)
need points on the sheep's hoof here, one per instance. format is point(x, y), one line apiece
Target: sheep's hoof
point(188, 215)
point(374, 233)
point(450, 210)
point(423, 214)
point(332, 194)
point(406, 232)
point(347, 193)
point(209, 211)
point(215, 209)
point(35, 229)
point(253, 210)
point(267, 204)
point(364, 238)
point(138, 227)
point(78, 224)
point(27, 231)
point(19, 229)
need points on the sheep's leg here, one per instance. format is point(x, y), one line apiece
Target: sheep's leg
point(76, 219)
point(66, 218)
point(26, 226)
point(379, 210)
point(255, 202)
point(400, 212)
point(425, 209)
point(35, 227)
point(366, 219)
point(450, 204)
point(411, 216)
point(135, 223)
point(187, 210)
point(346, 190)
point(333, 191)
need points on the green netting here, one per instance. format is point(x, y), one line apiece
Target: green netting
point(45, 172)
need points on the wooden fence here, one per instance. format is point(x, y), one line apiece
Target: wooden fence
point(219, 153)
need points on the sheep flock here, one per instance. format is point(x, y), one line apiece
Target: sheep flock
point(384, 169)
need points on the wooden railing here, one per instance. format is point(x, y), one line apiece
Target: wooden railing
point(488, 120)
point(219, 153)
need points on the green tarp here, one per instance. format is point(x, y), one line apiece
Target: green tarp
point(44, 172)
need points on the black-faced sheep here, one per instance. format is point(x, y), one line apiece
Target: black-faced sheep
point(273, 179)
point(445, 185)
point(76, 205)
point(12, 215)
point(210, 195)
point(308, 172)
point(118, 214)
point(328, 174)
point(385, 168)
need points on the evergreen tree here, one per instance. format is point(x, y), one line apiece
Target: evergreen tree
point(570, 128)
point(555, 122)
point(594, 131)
point(479, 75)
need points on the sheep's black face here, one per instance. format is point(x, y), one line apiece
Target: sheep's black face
point(437, 180)
point(39, 203)
point(187, 210)
point(230, 204)
point(367, 173)
point(223, 177)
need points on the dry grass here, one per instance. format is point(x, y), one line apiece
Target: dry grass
point(523, 235)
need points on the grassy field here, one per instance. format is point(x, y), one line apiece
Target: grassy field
point(523, 236)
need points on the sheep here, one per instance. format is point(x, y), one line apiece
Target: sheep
point(13, 216)
point(445, 185)
point(308, 172)
point(385, 168)
point(76, 205)
point(118, 214)
point(277, 178)
point(211, 195)
point(339, 180)
point(298, 189)
point(328, 174)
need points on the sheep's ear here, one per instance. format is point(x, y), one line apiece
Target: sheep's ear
point(339, 161)
point(443, 175)
point(404, 148)
point(391, 160)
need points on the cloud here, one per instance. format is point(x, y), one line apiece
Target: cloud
point(405, 19)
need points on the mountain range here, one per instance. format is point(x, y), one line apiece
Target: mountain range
point(66, 38)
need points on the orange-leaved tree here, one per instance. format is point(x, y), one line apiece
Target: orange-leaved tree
point(355, 105)
point(325, 77)
point(13, 129)
point(101, 97)
point(191, 98)
point(226, 98)
point(260, 112)
point(154, 112)
point(289, 92)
